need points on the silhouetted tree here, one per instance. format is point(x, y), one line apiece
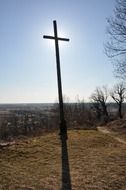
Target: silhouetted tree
point(118, 94)
point(97, 109)
point(99, 100)
point(116, 46)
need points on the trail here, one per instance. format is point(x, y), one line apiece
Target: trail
point(106, 131)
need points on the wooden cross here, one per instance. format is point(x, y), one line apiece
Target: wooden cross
point(63, 127)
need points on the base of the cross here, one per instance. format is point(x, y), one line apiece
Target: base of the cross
point(63, 130)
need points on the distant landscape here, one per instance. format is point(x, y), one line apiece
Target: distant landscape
point(27, 119)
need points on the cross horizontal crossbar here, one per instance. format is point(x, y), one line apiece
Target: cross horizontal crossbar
point(54, 38)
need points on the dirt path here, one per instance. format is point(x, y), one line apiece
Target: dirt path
point(106, 131)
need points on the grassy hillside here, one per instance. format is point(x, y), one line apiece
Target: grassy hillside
point(117, 128)
point(96, 161)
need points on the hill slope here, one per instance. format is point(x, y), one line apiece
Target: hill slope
point(96, 162)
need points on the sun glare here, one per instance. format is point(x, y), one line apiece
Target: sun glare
point(61, 34)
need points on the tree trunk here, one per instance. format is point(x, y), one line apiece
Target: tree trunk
point(120, 110)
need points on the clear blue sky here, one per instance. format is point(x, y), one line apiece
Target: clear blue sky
point(27, 61)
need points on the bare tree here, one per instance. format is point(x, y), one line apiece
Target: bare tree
point(99, 100)
point(118, 94)
point(116, 46)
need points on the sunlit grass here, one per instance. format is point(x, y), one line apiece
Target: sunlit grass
point(96, 162)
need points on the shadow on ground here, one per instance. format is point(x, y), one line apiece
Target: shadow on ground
point(66, 178)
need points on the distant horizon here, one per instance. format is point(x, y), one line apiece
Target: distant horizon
point(110, 102)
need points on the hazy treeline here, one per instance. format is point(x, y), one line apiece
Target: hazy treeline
point(98, 111)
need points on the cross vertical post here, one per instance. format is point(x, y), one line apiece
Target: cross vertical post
point(63, 127)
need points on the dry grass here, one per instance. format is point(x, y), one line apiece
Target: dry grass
point(97, 162)
point(118, 128)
